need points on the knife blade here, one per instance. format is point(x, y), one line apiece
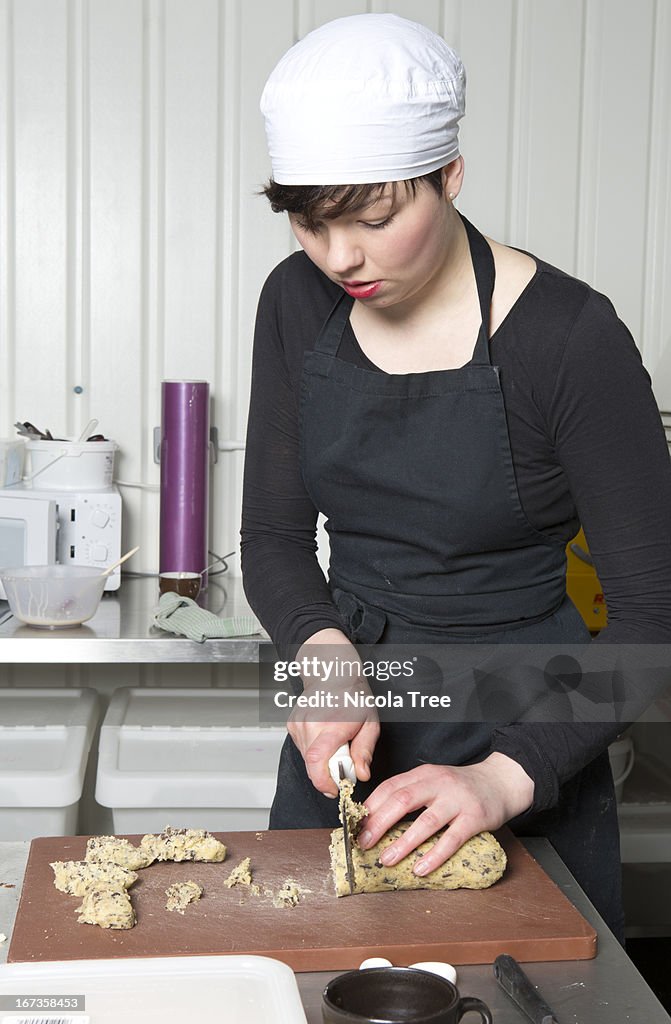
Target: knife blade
point(346, 834)
point(517, 985)
point(341, 769)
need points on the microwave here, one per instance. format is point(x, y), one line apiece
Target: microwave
point(40, 527)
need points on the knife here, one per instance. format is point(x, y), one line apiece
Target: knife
point(517, 985)
point(341, 768)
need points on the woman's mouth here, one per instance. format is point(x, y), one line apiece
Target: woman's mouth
point(361, 289)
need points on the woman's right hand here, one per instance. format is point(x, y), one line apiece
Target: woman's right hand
point(318, 740)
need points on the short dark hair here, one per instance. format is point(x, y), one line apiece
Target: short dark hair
point(315, 202)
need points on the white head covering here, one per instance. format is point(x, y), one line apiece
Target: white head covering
point(368, 98)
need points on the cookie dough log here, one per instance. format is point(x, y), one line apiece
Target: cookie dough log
point(478, 864)
point(180, 894)
point(112, 849)
point(108, 908)
point(183, 844)
point(77, 877)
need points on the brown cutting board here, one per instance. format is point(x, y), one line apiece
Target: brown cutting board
point(523, 914)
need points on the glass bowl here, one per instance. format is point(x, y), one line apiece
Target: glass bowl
point(53, 596)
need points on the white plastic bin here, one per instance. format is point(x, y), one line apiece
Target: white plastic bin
point(45, 737)
point(190, 758)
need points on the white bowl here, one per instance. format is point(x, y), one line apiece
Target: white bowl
point(53, 596)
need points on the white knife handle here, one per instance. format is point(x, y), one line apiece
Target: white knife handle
point(342, 754)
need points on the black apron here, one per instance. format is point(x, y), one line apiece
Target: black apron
point(430, 544)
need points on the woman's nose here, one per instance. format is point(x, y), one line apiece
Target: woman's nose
point(344, 253)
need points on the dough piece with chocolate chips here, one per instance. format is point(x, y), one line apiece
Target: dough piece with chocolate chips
point(180, 844)
point(107, 908)
point(77, 877)
point(180, 894)
point(289, 894)
point(112, 849)
point(242, 875)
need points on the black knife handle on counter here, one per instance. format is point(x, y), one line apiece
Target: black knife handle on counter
point(515, 983)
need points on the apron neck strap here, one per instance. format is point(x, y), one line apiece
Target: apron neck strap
point(329, 337)
point(485, 275)
point(331, 333)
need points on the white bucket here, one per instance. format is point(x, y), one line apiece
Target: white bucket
point(11, 461)
point(71, 466)
point(621, 755)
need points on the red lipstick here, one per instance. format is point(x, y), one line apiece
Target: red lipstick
point(361, 289)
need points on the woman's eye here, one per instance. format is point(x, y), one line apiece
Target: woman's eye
point(378, 224)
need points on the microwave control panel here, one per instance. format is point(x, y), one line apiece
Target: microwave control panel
point(89, 526)
point(90, 530)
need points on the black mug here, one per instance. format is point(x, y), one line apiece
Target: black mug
point(396, 995)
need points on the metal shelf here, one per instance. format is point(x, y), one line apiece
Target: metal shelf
point(122, 631)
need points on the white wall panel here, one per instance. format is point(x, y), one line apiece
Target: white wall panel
point(7, 217)
point(43, 353)
point(133, 245)
point(486, 135)
point(656, 314)
point(428, 12)
point(546, 134)
point(191, 125)
point(618, 77)
point(316, 12)
point(255, 238)
point(113, 198)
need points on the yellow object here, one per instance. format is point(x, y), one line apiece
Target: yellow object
point(583, 586)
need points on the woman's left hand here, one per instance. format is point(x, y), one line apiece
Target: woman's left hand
point(469, 799)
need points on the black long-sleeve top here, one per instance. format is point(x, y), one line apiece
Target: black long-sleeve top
point(588, 448)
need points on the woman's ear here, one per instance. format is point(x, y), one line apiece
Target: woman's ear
point(452, 175)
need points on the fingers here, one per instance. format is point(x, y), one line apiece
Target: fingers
point(362, 747)
point(400, 801)
point(450, 797)
point(383, 792)
point(425, 826)
point(322, 746)
point(318, 741)
point(452, 840)
point(396, 797)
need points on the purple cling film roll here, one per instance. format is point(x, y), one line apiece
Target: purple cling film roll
point(185, 436)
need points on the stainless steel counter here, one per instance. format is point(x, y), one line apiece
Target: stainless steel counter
point(606, 990)
point(122, 631)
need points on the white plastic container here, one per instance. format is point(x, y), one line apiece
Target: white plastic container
point(11, 461)
point(71, 466)
point(45, 737)
point(169, 989)
point(190, 758)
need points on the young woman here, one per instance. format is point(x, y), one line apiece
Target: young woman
point(455, 408)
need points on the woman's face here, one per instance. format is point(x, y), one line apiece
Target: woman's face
point(387, 253)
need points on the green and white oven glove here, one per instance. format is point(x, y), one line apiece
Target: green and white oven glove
point(182, 616)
